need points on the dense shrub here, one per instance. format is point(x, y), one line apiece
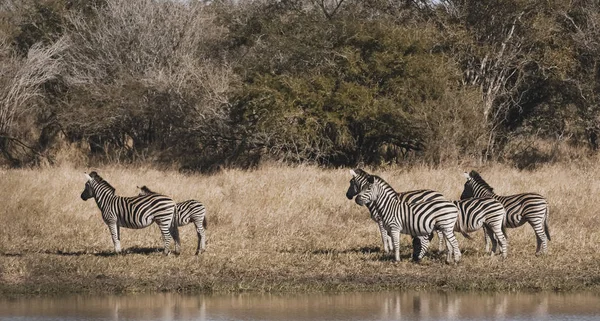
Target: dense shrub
point(203, 85)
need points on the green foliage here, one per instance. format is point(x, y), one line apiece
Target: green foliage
point(206, 85)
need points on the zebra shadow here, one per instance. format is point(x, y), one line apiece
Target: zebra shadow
point(109, 253)
point(370, 253)
point(361, 250)
point(11, 254)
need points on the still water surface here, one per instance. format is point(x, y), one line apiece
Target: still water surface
point(347, 306)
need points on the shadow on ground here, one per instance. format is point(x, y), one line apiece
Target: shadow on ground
point(107, 253)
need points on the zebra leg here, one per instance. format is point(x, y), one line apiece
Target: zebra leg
point(201, 236)
point(387, 240)
point(490, 236)
point(174, 232)
point(540, 235)
point(441, 245)
point(116, 237)
point(502, 240)
point(395, 233)
point(420, 246)
point(165, 230)
point(452, 245)
point(487, 240)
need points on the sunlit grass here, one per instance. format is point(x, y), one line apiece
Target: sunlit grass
point(282, 228)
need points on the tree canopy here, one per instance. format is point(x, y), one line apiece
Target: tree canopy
point(204, 84)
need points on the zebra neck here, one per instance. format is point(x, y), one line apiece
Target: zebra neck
point(387, 203)
point(483, 192)
point(105, 200)
point(374, 213)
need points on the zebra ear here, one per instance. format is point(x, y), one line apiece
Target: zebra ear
point(89, 178)
point(353, 173)
point(466, 175)
point(371, 179)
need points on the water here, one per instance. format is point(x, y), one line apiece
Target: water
point(350, 306)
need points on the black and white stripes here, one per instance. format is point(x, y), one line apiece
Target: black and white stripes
point(132, 212)
point(521, 208)
point(188, 211)
point(417, 219)
point(359, 181)
point(486, 212)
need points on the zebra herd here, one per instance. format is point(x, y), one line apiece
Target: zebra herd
point(417, 213)
point(144, 209)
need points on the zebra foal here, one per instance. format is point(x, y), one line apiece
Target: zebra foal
point(522, 208)
point(419, 220)
point(132, 212)
point(188, 211)
point(359, 181)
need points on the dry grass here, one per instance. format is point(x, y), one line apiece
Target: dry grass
point(282, 229)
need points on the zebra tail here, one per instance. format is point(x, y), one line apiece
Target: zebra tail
point(466, 235)
point(503, 228)
point(204, 222)
point(546, 227)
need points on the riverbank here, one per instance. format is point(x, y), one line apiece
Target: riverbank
point(282, 229)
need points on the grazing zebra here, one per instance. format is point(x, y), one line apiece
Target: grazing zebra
point(190, 210)
point(520, 208)
point(416, 219)
point(132, 212)
point(486, 212)
point(359, 181)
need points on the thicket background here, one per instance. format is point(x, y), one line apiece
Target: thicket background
point(207, 84)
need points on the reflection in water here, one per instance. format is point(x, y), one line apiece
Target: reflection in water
point(349, 306)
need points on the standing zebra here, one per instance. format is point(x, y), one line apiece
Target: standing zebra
point(359, 181)
point(190, 210)
point(417, 219)
point(132, 212)
point(486, 212)
point(520, 208)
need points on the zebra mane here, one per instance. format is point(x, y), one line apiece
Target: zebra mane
point(101, 181)
point(144, 189)
point(360, 172)
point(475, 176)
point(385, 184)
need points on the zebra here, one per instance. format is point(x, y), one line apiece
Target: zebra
point(190, 210)
point(416, 219)
point(132, 212)
point(520, 208)
point(359, 180)
point(486, 212)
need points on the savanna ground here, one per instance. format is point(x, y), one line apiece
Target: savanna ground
point(283, 229)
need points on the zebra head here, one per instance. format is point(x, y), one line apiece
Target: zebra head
point(88, 190)
point(475, 186)
point(368, 193)
point(94, 184)
point(358, 181)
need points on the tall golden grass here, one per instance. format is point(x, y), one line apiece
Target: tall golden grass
point(280, 228)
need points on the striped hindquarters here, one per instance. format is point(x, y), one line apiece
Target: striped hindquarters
point(474, 212)
point(423, 218)
point(190, 211)
point(521, 208)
